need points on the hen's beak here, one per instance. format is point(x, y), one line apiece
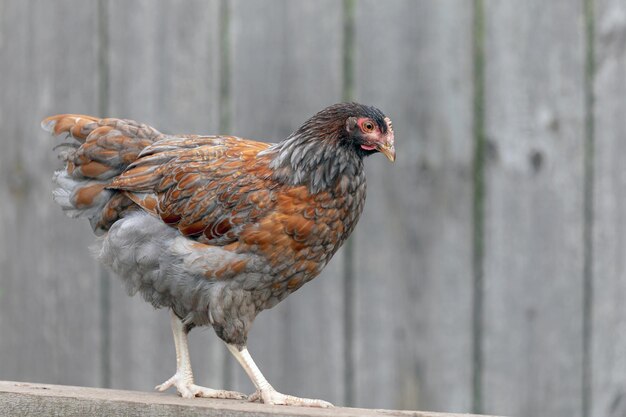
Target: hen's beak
point(387, 149)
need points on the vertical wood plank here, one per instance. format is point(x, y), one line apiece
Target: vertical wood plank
point(286, 67)
point(534, 208)
point(608, 390)
point(48, 325)
point(413, 246)
point(164, 65)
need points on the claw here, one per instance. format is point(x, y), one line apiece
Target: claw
point(256, 396)
point(187, 389)
point(265, 393)
point(271, 396)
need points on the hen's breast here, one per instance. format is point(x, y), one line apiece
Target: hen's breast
point(304, 231)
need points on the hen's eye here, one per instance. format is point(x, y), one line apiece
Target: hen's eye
point(368, 127)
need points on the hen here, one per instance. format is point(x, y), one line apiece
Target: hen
point(219, 228)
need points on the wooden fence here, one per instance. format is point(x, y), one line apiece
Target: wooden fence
point(488, 271)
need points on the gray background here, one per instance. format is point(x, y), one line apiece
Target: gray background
point(487, 273)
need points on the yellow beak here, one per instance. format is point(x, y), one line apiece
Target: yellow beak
point(388, 150)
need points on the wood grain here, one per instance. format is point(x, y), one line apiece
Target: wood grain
point(608, 344)
point(48, 324)
point(534, 208)
point(286, 68)
point(413, 247)
point(164, 72)
point(36, 399)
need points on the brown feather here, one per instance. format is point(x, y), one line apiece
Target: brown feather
point(262, 219)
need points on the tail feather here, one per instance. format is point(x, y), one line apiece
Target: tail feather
point(101, 149)
point(76, 125)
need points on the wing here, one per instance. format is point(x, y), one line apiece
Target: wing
point(209, 187)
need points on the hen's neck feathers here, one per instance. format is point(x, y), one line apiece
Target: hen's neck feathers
point(316, 156)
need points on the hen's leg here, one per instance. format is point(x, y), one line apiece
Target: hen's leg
point(183, 378)
point(264, 391)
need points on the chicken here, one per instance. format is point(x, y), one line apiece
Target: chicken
point(219, 228)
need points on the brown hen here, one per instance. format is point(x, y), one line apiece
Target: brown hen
point(218, 228)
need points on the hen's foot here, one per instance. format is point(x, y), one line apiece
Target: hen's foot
point(271, 396)
point(187, 389)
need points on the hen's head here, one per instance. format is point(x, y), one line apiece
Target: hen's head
point(331, 143)
point(363, 128)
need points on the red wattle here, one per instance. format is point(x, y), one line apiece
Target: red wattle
point(368, 147)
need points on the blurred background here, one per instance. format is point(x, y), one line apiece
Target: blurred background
point(488, 271)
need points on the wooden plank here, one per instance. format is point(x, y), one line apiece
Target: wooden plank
point(164, 71)
point(534, 208)
point(25, 399)
point(413, 246)
point(608, 392)
point(286, 67)
point(48, 332)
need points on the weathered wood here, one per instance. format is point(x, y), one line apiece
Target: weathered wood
point(24, 399)
point(608, 330)
point(533, 265)
point(286, 67)
point(164, 72)
point(48, 291)
point(413, 245)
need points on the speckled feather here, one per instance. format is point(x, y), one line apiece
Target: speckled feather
point(217, 228)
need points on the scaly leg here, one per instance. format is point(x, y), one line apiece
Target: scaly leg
point(183, 378)
point(264, 391)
